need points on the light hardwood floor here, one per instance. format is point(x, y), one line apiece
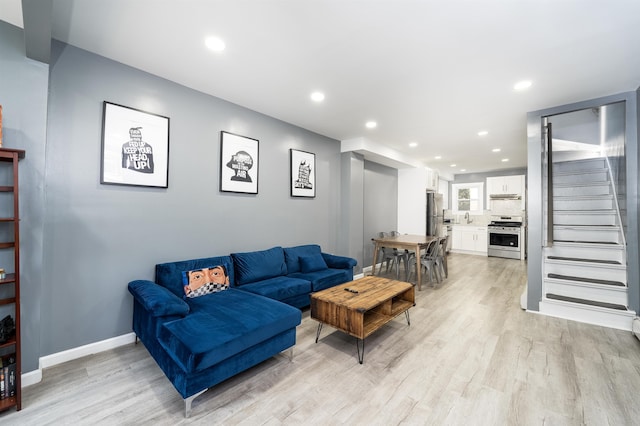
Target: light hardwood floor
point(471, 356)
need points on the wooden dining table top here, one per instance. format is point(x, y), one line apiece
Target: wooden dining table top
point(403, 241)
point(406, 239)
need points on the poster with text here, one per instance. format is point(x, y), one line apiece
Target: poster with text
point(135, 147)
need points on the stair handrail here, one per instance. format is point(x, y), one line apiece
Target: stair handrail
point(549, 157)
point(614, 188)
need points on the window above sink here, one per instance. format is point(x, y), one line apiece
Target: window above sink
point(467, 198)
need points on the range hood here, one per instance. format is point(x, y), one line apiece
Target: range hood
point(505, 197)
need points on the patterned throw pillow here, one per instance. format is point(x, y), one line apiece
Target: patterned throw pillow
point(204, 281)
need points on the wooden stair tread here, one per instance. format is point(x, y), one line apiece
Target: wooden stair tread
point(586, 280)
point(586, 302)
point(579, 259)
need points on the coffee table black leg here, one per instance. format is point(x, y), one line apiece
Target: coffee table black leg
point(318, 331)
point(360, 353)
point(406, 313)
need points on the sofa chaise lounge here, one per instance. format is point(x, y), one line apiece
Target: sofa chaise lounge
point(245, 313)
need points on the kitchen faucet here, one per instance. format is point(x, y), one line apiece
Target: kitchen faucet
point(466, 217)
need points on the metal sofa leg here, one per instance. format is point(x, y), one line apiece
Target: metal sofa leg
point(189, 400)
point(289, 353)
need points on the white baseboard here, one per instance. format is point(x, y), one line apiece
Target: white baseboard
point(611, 318)
point(33, 377)
point(367, 270)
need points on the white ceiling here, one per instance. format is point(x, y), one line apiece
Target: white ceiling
point(433, 72)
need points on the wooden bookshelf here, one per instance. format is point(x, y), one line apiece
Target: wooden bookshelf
point(10, 158)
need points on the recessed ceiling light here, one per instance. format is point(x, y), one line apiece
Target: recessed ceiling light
point(413, 144)
point(522, 85)
point(463, 170)
point(317, 96)
point(214, 43)
point(483, 133)
point(438, 157)
point(495, 150)
point(371, 124)
point(453, 165)
point(504, 160)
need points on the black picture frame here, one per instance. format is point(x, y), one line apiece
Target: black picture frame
point(239, 163)
point(302, 173)
point(135, 147)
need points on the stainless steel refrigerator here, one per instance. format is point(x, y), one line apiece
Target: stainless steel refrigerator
point(435, 214)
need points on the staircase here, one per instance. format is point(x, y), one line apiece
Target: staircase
point(585, 270)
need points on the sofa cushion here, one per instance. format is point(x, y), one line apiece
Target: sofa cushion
point(199, 282)
point(169, 275)
point(292, 255)
point(222, 325)
point(312, 263)
point(325, 278)
point(279, 288)
point(258, 265)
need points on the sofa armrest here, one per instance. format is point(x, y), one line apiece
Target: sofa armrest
point(339, 262)
point(157, 300)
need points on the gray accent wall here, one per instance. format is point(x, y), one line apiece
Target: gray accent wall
point(369, 204)
point(351, 206)
point(482, 177)
point(84, 241)
point(100, 237)
point(23, 96)
point(380, 204)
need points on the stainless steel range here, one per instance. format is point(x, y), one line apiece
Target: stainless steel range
point(505, 237)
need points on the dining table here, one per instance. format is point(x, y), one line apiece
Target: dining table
point(403, 242)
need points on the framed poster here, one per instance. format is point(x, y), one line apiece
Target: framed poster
point(135, 147)
point(303, 174)
point(238, 163)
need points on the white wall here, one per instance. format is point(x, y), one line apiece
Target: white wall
point(412, 201)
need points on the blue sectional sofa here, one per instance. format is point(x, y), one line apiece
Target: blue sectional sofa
point(291, 274)
point(249, 316)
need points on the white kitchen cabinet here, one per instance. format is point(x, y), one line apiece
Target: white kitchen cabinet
point(469, 239)
point(432, 179)
point(501, 185)
point(443, 188)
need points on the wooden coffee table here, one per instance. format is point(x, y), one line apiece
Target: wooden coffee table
point(362, 306)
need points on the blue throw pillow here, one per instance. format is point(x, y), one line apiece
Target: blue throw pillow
point(199, 282)
point(312, 263)
point(254, 266)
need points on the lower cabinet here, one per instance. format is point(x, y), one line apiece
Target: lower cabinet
point(469, 239)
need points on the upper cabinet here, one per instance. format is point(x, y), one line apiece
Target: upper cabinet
point(502, 185)
point(443, 188)
point(432, 179)
point(506, 185)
